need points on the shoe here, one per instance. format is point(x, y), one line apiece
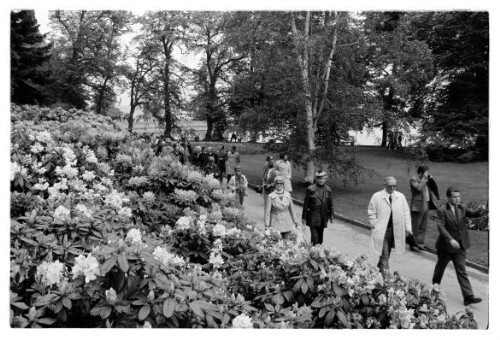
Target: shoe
point(421, 247)
point(472, 299)
point(415, 249)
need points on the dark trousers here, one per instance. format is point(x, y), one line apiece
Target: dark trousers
point(240, 194)
point(383, 262)
point(458, 259)
point(419, 225)
point(317, 235)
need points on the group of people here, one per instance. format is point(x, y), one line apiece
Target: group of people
point(393, 222)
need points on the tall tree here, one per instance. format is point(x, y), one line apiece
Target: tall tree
point(399, 64)
point(212, 78)
point(88, 53)
point(164, 31)
point(28, 52)
point(455, 105)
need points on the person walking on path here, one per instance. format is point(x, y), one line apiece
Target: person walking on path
point(222, 154)
point(238, 184)
point(280, 215)
point(318, 207)
point(195, 157)
point(232, 159)
point(285, 168)
point(268, 182)
point(233, 137)
point(453, 241)
point(424, 197)
point(390, 220)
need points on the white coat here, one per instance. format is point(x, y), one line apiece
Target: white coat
point(379, 211)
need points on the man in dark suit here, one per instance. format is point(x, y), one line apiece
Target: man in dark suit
point(453, 241)
point(318, 207)
point(424, 197)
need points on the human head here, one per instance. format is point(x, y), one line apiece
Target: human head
point(422, 169)
point(270, 163)
point(282, 155)
point(279, 181)
point(285, 157)
point(233, 148)
point(211, 159)
point(222, 147)
point(237, 170)
point(209, 149)
point(390, 184)
point(453, 196)
point(197, 149)
point(321, 177)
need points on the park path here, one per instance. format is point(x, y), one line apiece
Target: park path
point(354, 241)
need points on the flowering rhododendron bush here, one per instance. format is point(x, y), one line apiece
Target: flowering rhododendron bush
point(106, 234)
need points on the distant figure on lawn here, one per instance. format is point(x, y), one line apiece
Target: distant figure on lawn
point(424, 197)
point(318, 207)
point(453, 241)
point(390, 220)
point(279, 210)
point(266, 164)
point(238, 184)
point(233, 158)
point(285, 168)
point(233, 137)
point(222, 154)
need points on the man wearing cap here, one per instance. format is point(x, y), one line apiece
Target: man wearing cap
point(390, 220)
point(238, 184)
point(318, 207)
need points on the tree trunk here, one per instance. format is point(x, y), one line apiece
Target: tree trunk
point(208, 134)
point(384, 134)
point(131, 119)
point(166, 102)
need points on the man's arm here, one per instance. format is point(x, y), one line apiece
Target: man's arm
point(407, 215)
point(267, 217)
point(304, 207)
point(330, 207)
point(474, 213)
point(372, 211)
point(441, 225)
point(419, 186)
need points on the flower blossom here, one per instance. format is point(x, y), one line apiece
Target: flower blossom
point(86, 266)
point(50, 272)
point(185, 196)
point(216, 260)
point(149, 196)
point(219, 230)
point(183, 223)
point(62, 213)
point(134, 236)
point(242, 321)
point(37, 148)
point(88, 175)
point(84, 210)
point(111, 296)
point(167, 258)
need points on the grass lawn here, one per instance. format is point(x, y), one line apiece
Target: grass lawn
point(352, 200)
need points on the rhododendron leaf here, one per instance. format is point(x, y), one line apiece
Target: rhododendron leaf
point(67, 302)
point(105, 312)
point(211, 322)
point(108, 264)
point(144, 312)
point(46, 299)
point(365, 299)
point(123, 262)
point(169, 307)
point(341, 316)
point(196, 308)
point(329, 317)
point(304, 287)
point(316, 303)
point(46, 321)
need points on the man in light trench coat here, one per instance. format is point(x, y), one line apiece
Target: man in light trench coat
point(390, 220)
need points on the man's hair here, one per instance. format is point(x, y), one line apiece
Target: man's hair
point(451, 190)
point(422, 168)
point(389, 178)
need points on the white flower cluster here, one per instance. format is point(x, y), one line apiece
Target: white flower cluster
point(115, 200)
point(134, 236)
point(202, 220)
point(44, 137)
point(111, 296)
point(183, 223)
point(211, 182)
point(16, 168)
point(219, 230)
point(88, 175)
point(62, 213)
point(138, 181)
point(84, 210)
point(67, 171)
point(125, 212)
point(149, 196)
point(37, 148)
point(50, 272)
point(194, 176)
point(125, 159)
point(90, 156)
point(167, 258)
point(242, 321)
point(215, 255)
point(86, 266)
point(233, 232)
point(185, 196)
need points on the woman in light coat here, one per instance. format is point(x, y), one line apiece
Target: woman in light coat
point(279, 210)
point(379, 213)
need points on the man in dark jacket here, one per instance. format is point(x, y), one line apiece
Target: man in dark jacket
point(453, 241)
point(318, 207)
point(424, 197)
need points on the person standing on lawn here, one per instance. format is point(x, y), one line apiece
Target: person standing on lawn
point(318, 207)
point(453, 241)
point(424, 197)
point(232, 159)
point(222, 155)
point(280, 215)
point(238, 184)
point(390, 220)
point(285, 168)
